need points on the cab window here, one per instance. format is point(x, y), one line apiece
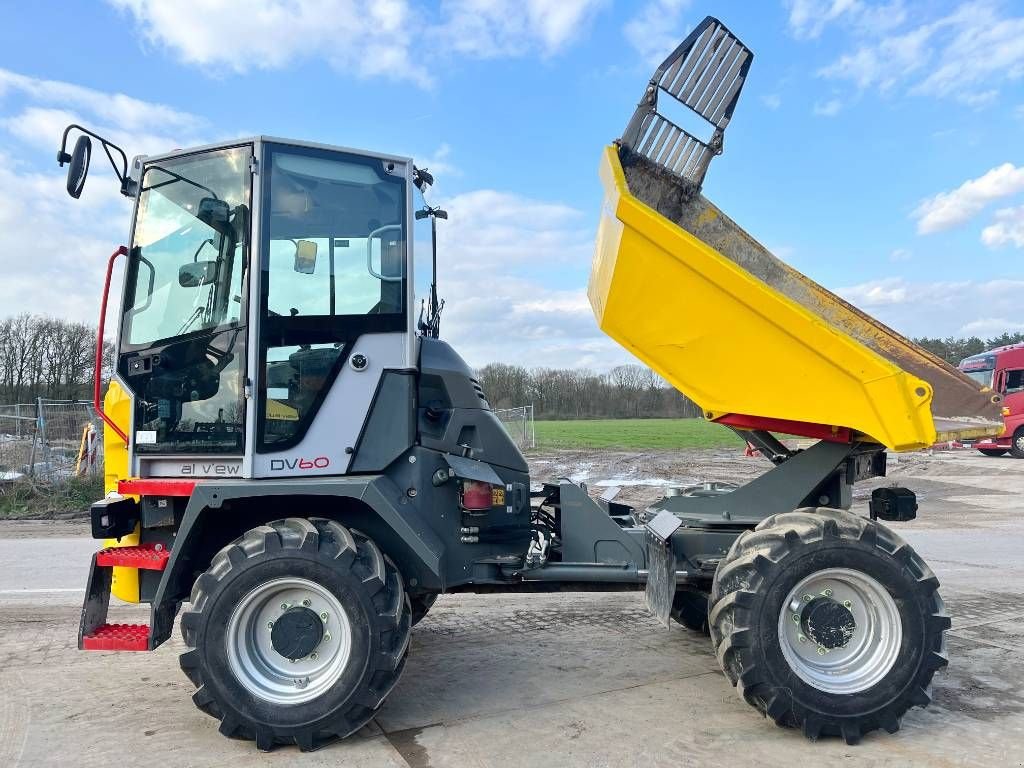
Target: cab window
point(334, 255)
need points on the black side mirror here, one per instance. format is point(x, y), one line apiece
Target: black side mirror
point(215, 214)
point(197, 274)
point(78, 168)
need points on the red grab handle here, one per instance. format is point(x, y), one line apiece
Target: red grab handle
point(97, 402)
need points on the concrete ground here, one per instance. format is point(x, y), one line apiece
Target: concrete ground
point(567, 680)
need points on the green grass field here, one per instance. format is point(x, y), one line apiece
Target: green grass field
point(635, 434)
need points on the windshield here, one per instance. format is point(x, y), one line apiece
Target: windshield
point(190, 247)
point(980, 368)
point(983, 377)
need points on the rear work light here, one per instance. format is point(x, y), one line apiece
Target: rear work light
point(476, 496)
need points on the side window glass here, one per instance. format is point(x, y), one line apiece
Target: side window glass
point(1014, 382)
point(337, 237)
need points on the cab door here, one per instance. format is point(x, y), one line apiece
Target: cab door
point(334, 304)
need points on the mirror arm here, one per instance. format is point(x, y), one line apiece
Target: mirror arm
point(121, 173)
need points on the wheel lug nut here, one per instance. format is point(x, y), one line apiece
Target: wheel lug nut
point(827, 592)
point(306, 603)
point(802, 639)
point(324, 615)
point(270, 625)
point(313, 655)
point(796, 618)
point(327, 638)
point(808, 598)
point(847, 604)
point(822, 651)
point(284, 606)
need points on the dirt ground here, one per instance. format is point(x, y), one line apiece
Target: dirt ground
point(537, 680)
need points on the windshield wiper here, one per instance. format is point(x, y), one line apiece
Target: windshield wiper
point(176, 177)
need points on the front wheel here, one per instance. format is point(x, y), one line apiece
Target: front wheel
point(1017, 448)
point(298, 630)
point(828, 622)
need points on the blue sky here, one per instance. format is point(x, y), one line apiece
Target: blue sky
point(876, 146)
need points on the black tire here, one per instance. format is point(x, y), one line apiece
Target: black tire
point(1017, 446)
point(421, 605)
point(690, 608)
point(993, 452)
point(367, 585)
point(747, 596)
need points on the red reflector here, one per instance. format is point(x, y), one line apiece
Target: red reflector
point(476, 495)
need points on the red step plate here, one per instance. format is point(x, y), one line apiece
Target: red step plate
point(145, 556)
point(117, 637)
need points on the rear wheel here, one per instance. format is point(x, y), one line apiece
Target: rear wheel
point(828, 622)
point(1017, 450)
point(298, 631)
point(993, 452)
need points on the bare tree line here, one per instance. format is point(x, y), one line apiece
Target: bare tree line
point(45, 357)
point(626, 391)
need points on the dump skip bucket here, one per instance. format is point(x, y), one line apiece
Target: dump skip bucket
point(753, 341)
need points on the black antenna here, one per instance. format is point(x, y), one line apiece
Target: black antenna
point(431, 324)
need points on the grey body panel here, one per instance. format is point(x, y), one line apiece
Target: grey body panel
point(339, 422)
point(390, 429)
point(454, 415)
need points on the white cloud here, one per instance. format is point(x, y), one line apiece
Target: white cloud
point(370, 38)
point(966, 55)
point(809, 18)
point(876, 293)
point(829, 108)
point(1007, 227)
point(950, 209)
point(991, 326)
point(940, 308)
point(492, 28)
point(654, 30)
point(49, 105)
point(900, 254)
point(771, 100)
point(883, 64)
point(981, 48)
point(490, 229)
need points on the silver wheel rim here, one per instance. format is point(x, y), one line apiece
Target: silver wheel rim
point(871, 649)
point(266, 673)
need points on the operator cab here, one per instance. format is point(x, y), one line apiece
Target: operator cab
point(208, 343)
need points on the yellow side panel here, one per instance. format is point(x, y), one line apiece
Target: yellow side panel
point(731, 342)
point(118, 406)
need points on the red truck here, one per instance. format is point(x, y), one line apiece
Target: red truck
point(1003, 370)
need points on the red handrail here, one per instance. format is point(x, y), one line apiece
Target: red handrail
point(97, 402)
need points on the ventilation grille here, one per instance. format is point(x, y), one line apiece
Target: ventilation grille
point(480, 393)
point(704, 74)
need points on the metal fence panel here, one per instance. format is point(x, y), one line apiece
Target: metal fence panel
point(50, 440)
point(518, 422)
